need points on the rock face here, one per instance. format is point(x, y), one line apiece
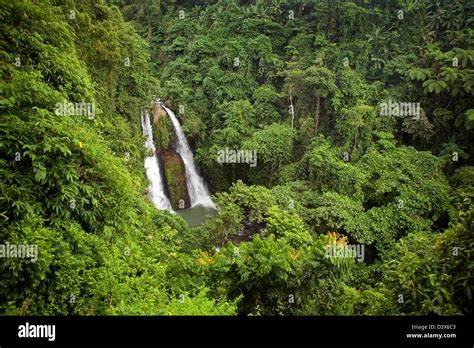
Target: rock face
point(172, 163)
point(158, 113)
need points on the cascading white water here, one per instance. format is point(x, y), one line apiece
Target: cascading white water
point(197, 190)
point(156, 189)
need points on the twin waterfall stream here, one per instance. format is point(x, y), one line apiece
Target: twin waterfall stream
point(197, 190)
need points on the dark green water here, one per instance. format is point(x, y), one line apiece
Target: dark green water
point(196, 215)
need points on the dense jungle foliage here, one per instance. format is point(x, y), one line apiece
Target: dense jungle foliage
point(302, 84)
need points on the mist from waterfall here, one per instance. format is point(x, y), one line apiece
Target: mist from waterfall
point(197, 189)
point(157, 188)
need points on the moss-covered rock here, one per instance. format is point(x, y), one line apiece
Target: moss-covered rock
point(163, 134)
point(175, 179)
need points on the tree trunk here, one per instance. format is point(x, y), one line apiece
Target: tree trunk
point(355, 139)
point(317, 112)
point(292, 110)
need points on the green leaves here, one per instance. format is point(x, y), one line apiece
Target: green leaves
point(465, 57)
point(449, 74)
point(78, 189)
point(419, 74)
point(469, 121)
point(435, 86)
point(289, 226)
point(273, 146)
point(426, 269)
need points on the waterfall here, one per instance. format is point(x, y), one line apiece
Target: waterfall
point(197, 190)
point(156, 189)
